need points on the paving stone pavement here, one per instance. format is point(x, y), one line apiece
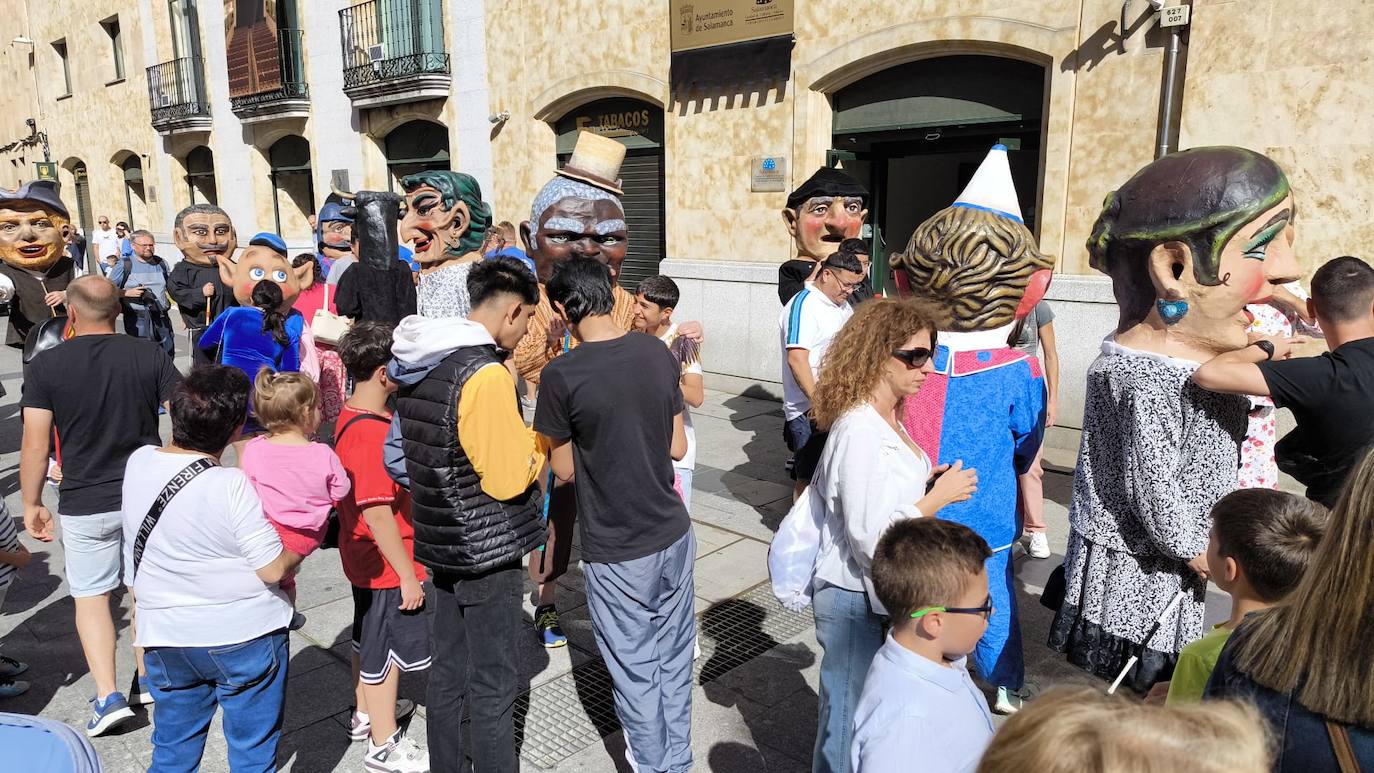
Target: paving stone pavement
point(754, 701)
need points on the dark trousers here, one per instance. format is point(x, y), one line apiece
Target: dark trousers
point(477, 622)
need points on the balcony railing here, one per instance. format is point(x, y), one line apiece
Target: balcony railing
point(392, 40)
point(176, 93)
point(294, 89)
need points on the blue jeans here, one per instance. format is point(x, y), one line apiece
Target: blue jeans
point(247, 680)
point(850, 635)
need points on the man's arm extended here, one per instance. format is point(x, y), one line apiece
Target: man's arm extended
point(33, 467)
point(1237, 372)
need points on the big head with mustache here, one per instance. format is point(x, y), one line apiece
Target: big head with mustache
point(204, 234)
point(825, 210)
point(445, 216)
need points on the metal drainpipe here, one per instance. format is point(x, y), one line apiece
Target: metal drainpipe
point(1166, 101)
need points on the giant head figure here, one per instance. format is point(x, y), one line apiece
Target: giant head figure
point(445, 216)
point(263, 260)
point(825, 210)
point(976, 258)
point(204, 234)
point(578, 213)
point(33, 226)
point(1193, 238)
point(333, 231)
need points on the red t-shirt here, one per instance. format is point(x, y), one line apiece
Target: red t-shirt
point(360, 450)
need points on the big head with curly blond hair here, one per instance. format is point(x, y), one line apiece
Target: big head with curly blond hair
point(984, 404)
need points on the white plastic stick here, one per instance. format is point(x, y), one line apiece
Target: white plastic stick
point(1168, 610)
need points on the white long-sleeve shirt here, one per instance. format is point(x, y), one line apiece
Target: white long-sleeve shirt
point(868, 478)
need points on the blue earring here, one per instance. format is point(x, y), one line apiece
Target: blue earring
point(1171, 311)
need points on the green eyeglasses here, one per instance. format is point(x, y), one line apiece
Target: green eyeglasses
point(985, 611)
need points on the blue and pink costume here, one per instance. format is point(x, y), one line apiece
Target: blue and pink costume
point(985, 405)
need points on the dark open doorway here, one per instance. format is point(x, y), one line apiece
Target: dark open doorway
point(914, 134)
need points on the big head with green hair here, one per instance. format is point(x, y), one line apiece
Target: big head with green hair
point(445, 216)
point(1189, 241)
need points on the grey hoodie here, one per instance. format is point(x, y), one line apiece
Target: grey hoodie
point(418, 345)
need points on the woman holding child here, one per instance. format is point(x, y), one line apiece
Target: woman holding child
point(870, 475)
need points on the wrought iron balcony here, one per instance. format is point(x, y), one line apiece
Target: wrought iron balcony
point(393, 52)
point(176, 96)
point(291, 99)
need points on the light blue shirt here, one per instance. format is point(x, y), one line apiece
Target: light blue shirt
point(918, 715)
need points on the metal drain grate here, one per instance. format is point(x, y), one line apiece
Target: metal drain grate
point(566, 715)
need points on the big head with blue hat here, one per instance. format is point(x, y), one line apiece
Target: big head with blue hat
point(34, 224)
point(976, 257)
point(334, 231)
point(263, 260)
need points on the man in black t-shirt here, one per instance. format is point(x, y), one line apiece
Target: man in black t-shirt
point(100, 392)
point(1331, 396)
point(612, 410)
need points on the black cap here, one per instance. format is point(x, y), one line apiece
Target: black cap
point(42, 191)
point(827, 182)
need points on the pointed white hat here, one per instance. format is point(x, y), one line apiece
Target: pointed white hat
point(991, 187)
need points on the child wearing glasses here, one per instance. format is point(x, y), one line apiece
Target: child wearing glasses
point(919, 698)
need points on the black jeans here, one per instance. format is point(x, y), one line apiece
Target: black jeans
point(476, 624)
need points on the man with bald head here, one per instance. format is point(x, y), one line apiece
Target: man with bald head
point(98, 430)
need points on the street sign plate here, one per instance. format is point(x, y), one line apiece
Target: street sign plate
point(1174, 16)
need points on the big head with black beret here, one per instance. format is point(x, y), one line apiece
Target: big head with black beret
point(825, 210)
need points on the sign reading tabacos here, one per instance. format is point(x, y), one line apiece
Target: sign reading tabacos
point(705, 23)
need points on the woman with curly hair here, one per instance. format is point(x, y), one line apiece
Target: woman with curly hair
point(870, 475)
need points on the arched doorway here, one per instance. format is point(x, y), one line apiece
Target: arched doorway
point(81, 184)
point(293, 186)
point(638, 125)
point(915, 133)
point(415, 146)
point(135, 201)
point(200, 176)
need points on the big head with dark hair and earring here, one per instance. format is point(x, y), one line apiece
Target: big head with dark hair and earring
point(446, 219)
point(1188, 242)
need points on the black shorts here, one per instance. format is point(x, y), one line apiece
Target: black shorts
point(384, 636)
point(805, 442)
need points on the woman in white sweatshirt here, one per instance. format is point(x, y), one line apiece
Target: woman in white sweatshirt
point(870, 475)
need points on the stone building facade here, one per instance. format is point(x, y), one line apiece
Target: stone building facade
point(906, 95)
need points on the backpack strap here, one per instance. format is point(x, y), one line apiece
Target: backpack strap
point(128, 266)
point(339, 435)
point(1340, 744)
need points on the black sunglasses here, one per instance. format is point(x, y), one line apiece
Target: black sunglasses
point(914, 358)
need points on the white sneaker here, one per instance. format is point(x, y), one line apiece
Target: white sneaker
point(1007, 703)
point(1038, 544)
point(398, 755)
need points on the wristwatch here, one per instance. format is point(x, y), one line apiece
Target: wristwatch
point(1267, 347)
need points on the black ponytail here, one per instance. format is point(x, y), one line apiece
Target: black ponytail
point(267, 297)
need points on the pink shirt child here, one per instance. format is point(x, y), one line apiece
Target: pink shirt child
point(297, 485)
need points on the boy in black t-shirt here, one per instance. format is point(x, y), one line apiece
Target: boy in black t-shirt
point(1331, 396)
point(612, 410)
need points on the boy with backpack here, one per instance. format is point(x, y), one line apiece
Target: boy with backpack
point(377, 547)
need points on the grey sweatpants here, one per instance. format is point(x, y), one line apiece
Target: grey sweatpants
point(642, 614)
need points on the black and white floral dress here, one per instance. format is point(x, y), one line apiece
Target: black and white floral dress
point(1157, 452)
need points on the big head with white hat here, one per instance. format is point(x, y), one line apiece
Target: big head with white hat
point(976, 257)
point(578, 213)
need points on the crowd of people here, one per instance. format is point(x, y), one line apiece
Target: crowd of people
point(360, 398)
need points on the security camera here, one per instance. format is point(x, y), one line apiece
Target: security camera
point(500, 117)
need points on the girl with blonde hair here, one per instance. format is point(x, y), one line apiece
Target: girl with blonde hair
point(1081, 730)
point(1308, 663)
point(297, 479)
point(870, 475)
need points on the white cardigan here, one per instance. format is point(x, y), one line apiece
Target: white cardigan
point(867, 479)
